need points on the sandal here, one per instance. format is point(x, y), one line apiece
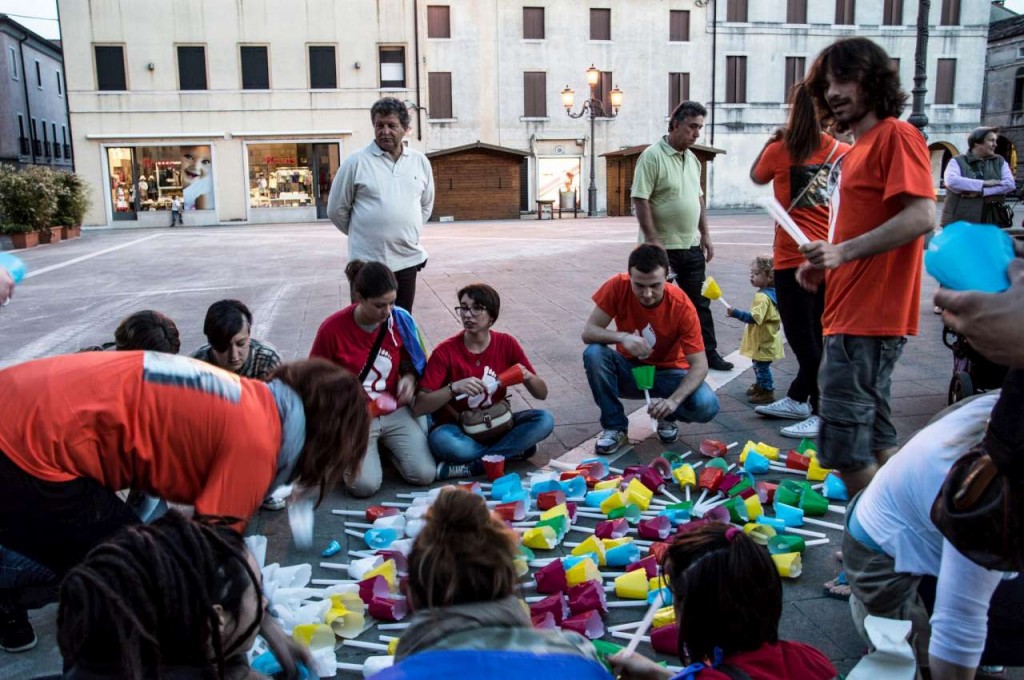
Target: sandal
point(838, 588)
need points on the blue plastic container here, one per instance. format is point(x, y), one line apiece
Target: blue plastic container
point(969, 256)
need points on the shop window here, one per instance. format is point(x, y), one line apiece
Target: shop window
point(439, 21)
point(280, 175)
point(149, 178)
point(600, 24)
point(535, 101)
point(255, 67)
point(110, 68)
point(323, 68)
point(392, 67)
point(439, 87)
point(678, 25)
point(533, 23)
point(191, 67)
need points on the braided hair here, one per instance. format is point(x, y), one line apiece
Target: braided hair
point(144, 600)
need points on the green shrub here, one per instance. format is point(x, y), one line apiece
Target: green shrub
point(72, 199)
point(27, 199)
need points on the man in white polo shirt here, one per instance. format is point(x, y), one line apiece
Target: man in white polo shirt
point(381, 197)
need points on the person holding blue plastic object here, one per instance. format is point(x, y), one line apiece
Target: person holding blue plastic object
point(727, 596)
point(176, 598)
point(467, 620)
point(12, 271)
point(463, 375)
point(978, 181)
point(380, 343)
point(761, 339)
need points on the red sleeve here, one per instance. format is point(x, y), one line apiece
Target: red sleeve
point(907, 164)
point(765, 169)
point(321, 345)
point(607, 296)
point(435, 375)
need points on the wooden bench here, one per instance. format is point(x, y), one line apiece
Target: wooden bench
point(543, 205)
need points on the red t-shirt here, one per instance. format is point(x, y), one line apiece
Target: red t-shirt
point(782, 661)
point(451, 361)
point(341, 340)
point(878, 295)
point(788, 181)
point(175, 427)
point(672, 329)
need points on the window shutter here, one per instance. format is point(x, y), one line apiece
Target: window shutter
point(679, 25)
point(440, 85)
point(533, 23)
point(255, 69)
point(191, 67)
point(110, 68)
point(439, 21)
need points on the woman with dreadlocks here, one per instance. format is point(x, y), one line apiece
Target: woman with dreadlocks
point(77, 428)
point(174, 599)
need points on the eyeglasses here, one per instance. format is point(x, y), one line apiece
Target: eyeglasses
point(475, 310)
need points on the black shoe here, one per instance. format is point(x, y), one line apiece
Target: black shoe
point(16, 634)
point(717, 363)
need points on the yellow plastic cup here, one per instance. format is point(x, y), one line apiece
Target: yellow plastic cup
point(581, 572)
point(632, 585)
point(389, 571)
point(616, 500)
point(685, 476)
point(815, 472)
point(766, 450)
point(664, 617)
point(348, 600)
point(638, 494)
point(392, 646)
point(759, 533)
point(558, 510)
point(315, 635)
point(612, 483)
point(748, 447)
point(754, 507)
point(592, 545)
point(540, 538)
point(610, 543)
point(710, 289)
point(522, 566)
point(344, 623)
point(788, 564)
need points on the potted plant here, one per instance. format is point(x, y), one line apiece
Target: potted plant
point(72, 203)
point(21, 235)
point(27, 201)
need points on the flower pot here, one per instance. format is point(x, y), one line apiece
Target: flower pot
point(68, 233)
point(25, 240)
point(49, 235)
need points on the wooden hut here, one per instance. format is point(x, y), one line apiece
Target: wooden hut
point(620, 165)
point(477, 182)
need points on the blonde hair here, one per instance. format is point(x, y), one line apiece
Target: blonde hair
point(765, 264)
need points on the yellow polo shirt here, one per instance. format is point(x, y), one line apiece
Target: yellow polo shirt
point(670, 181)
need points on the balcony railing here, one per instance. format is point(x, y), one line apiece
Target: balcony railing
point(37, 147)
point(67, 151)
point(25, 149)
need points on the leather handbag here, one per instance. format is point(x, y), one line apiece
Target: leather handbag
point(487, 425)
point(1000, 214)
point(979, 511)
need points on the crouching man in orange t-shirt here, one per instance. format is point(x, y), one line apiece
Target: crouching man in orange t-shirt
point(655, 325)
point(872, 263)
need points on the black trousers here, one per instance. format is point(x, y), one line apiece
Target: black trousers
point(801, 312)
point(688, 265)
point(407, 285)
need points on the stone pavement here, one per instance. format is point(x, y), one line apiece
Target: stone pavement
point(291, 277)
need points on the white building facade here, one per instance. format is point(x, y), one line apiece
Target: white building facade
point(245, 109)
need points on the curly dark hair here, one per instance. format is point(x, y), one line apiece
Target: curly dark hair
point(387, 106)
point(861, 61)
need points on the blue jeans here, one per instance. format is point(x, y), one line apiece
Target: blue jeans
point(763, 375)
point(18, 571)
point(610, 377)
point(450, 444)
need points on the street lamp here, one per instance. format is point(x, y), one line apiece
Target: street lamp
point(595, 107)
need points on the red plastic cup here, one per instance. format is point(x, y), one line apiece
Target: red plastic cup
point(587, 596)
point(494, 467)
point(713, 448)
point(648, 564)
point(612, 528)
point(513, 375)
point(554, 605)
point(766, 492)
point(387, 609)
point(549, 499)
point(665, 639)
point(710, 478)
point(658, 549)
point(551, 578)
point(511, 512)
point(652, 479)
point(372, 588)
point(797, 461)
point(375, 512)
point(543, 621)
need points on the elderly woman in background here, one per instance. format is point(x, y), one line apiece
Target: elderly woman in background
point(977, 183)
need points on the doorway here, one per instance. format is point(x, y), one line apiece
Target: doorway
point(325, 162)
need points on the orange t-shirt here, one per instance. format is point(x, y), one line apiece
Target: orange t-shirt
point(878, 295)
point(788, 181)
point(672, 329)
point(172, 426)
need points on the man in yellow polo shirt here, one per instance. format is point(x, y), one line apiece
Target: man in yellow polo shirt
point(669, 205)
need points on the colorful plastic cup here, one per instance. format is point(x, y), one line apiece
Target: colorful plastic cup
point(560, 524)
point(767, 450)
point(503, 485)
point(793, 517)
point(655, 529)
point(719, 513)
point(835, 488)
point(388, 609)
point(610, 483)
point(612, 528)
point(612, 502)
point(786, 543)
point(754, 508)
point(776, 523)
point(790, 490)
point(540, 538)
point(677, 516)
point(574, 488)
point(747, 448)
point(815, 472)
point(718, 463)
point(649, 564)
point(710, 478)
point(966, 256)
point(586, 597)
point(373, 587)
point(357, 569)
point(789, 565)
point(737, 509)
point(633, 585)
point(766, 492)
point(551, 578)
point(591, 545)
point(813, 503)
point(638, 494)
point(713, 448)
point(543, 621)
point(797, 461)
point(511, 512)
point(756, 464)
point(652, 479)
point(380, 538)
point(807, 447)
point(314, 635)
point(665, 639)
point(662, 467)
point(494, 467)
point(588, 624)
point(630, 512)
point(643, 375)
point(388, 570)
point(549, 499)
point(554, 605)
point(685, 476)
point(759, 533)
point(665, 616)
point(513, 375)
point(375, 512)
point(710, 289)
point(581, 570)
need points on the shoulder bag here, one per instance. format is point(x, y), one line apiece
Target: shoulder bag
point(487, 425)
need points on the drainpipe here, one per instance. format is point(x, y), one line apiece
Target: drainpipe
point(28, 104)
point(714, 63)
point(67, 96)
point(416, 61)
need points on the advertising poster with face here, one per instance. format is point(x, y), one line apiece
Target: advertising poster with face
point(197, 177)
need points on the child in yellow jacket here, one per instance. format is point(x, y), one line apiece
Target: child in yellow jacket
point(761, 339)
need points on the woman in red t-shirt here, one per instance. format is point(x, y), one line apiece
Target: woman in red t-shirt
point(388, 375)
point(728, 601)
point(797, 160)
point(462, 374)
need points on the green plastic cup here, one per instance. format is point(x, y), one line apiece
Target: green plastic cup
point(786, 543)
point(644, 376)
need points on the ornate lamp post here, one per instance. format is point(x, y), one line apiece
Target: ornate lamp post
point(918, 118)
point(595, 108)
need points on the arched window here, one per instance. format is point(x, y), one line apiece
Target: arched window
point(1018, 90)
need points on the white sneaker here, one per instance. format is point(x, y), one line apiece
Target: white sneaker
point(609, 442)
point(785, 408)
point(805, 428)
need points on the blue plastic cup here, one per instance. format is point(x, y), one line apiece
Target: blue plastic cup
point(622, 555)
point(835, 489)
point(14, 266)
point(970, 257)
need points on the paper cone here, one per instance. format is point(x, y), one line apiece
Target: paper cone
point(678, 516)
point(815, 472)
point(737, 510)
point(632, 585)
point(710, 289)
point(813, 503)
point(550, 499)
point(747, 448)
point(793, 517)
point(551, 578)
point(730, 480)
point(786, 543)
point(638, 494)
point(710, 478)
point(755, 463)
point(554, 605)
point(375, 512)
point(575, 487)
point(592, 545)
point(665, 639)
point(622, 555)
point(389, 570)
point(610, 543)
point(613, 528)
point(513, 375)
point(494, 467)
point(388, 609)
point(348, 600)
point(586, 597)
point(655, 529)
point(613, 501)
point(581, 571)
point(788, 564)
point(662, 467)
point(596, 467)
point(611, 483)
point(835, 488)
point(713, 448)
point(544, 485)
point(314, 635)
point(557, 511)
point(588, 624)
point(754, 509)
point(560, 524)
point(685, 476)
point(643, 375)
point(649, 564)
point(543, 621)
point(540, 538)
point(502, 485)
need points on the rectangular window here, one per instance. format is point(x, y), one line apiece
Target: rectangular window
point(440, 86)
point(535, 101)
point(56, 146)
point(39, 75)
point(895, 63)
point(950, 13)
point(678, 25)
point(439, 21)
point(945, 81)
point(12, 62)
point(392, 67)
point(736, 11)
point(46, 141)
point(735, 80)
point(64, 136)
point(533, 23)
point(323, 68)
point(151, 177)
point(110, 68)
point(600, 24)
point(22, 139)
point(796, 12)
point(191, 67)
point(255, 67)
point(795, 67)
point(845, 11)
point(892, 13)
point(281, 175)
point(60, 85)
point(604, 92)
point(678, 90)
point(37, 146)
